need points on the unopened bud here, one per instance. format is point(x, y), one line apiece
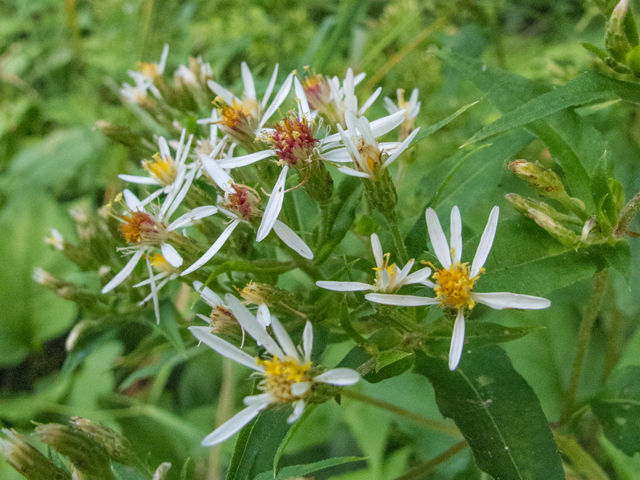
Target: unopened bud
point(546, 182)
point(278, 300)
point(588, 226)
point(27, 460)
point(161, 471)
point(117, 446)
point(560, 233)
point(118, 133)
point(616, 39)
point(523, 205)
point(56, 240)
point(80, 330)
point(87, 455)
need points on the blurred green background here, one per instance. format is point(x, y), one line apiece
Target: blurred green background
point(61, 67)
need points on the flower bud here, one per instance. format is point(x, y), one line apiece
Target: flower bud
point(119, 134)
point(560, 233)
point(88, 456)
point(278, 300)
point(616, 40)
point(27, 460)
point(117, 446)
point(523, 205)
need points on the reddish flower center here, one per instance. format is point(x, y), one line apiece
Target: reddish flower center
point(293, 139)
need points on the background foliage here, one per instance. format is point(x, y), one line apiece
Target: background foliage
point(61, 66)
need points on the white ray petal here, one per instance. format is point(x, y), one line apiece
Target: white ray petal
point(457, 341)
point(385, 124)
point(252, 326)
point(370, 101)
point(260, 399)
point(307, 341)
point(284, 339)
point(181, 194)
point(209, 296)
point(247, 79)
point(219, 90)
point(340, 377)
point(274, 206)
point(456, 234)
point(401, 148)
point(213, 249)
point(353, 173)
point(419, 276)
point(350, 100)
point(300, 388)
point(163, 58)
point(438, 240)
point(297, 412)
point(272, 83)
point(303, 103)
point(225, 348)
point(263, 315)
point(400, 300)
point(339, 155)
point(277, 101)
point(171, 255)
point(376, 247)
point(192, 215)
point(233, 426)
point(152, 197)
point(389, 105)
point(138, 180)
point(358, 78)
point(404, 272)
point(132, 202)
point(125, 272)
point(154, 291)
point(159, 276)
point(165, 152)
point(216, 172)
point(500, 300)
point(292, 240)
point(344, 286)
point(245, 160)
point(486, 242)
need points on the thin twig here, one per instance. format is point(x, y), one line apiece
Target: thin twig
point(419, 470)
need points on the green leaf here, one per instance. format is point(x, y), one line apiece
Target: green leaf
point(618, 409)
point(425, 132)
point(606, 211)
point(303, 470)
point(497, 412)
point(525, 259)
point(477, 334)
point(187, 469)
point(258, 443)
point(598, 52)
point(384, 359)
point(289, 435)
point(123, 472)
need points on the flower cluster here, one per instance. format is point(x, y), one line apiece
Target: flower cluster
point(217, 191)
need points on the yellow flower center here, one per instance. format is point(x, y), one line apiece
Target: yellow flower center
point(160, 264)
point(391, 272)
point(162, 169)
point(280, 375)
point(136, 225)
point(149, 70)
point(453, 286)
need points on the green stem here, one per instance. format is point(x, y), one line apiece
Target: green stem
point(584, 336)
point(416, 418)
point(325, 223)
point(421, 469)
point(398, 241)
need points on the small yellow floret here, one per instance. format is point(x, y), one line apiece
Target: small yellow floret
point(162, 169)
point(454, 284)
point(280, 375)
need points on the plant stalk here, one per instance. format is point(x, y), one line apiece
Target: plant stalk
point(421, 469)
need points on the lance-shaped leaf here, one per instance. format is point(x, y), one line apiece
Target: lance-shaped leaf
point(618, 409)
point(497, 412)
point(295, 471)
point(477, 334)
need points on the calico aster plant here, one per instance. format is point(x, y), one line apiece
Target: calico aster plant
point(223, 168)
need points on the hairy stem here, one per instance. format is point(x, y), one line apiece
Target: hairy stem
point(419, 470)
point(398, 241)
point(418, 419)
point(584, 336)
point(627, 214)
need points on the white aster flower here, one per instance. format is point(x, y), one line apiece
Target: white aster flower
point(148, 231)
point(389, 278)
point(288, 376)
point(411, 108)
point(331, 99)
point(454, 283)
point(56, 240)
point(143, 78)
point(361, 147)
point(242, 204)
point(165, 170)
point(242, 118)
